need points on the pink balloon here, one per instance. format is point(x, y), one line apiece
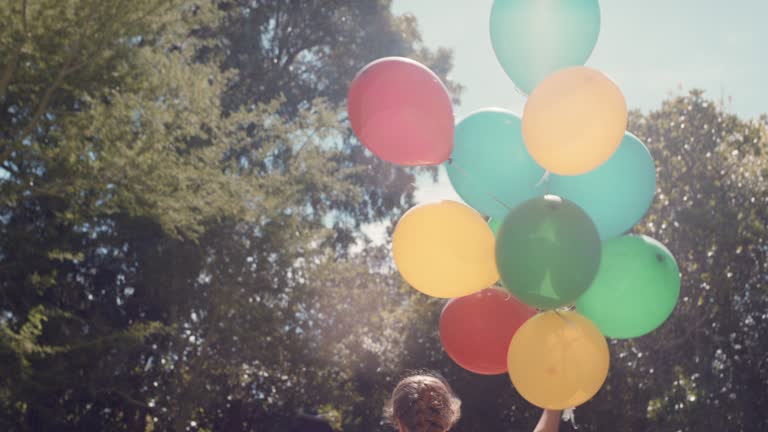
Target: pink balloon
point(401, 111)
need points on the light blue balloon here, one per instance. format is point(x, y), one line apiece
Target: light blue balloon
point(534, 38)
point(616, 194)
point(490, 168)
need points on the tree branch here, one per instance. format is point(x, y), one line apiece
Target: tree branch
point(24, 23)
point(41, 107)
point(668, 345)
point(125, 397)
point(44, 102)
point(10, 68)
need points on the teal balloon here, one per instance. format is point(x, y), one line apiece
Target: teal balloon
point(534, 38)
point(547, 252)
point(635, 290)
point(618, 193)
point(490, 168)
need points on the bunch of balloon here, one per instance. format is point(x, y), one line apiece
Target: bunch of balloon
point(550, 195)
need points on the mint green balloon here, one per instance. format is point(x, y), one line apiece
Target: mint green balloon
point(616, 194)
point(490, 168)
point(635, 290)
point(547, 252)
point(495, 224)
point(534, 38)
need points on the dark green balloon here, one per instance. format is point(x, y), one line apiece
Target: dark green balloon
point(547, 252)
point(635, 290)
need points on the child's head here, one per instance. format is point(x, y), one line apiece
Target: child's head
point(423, 402)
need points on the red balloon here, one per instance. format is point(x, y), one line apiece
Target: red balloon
point(476, 330)
point(401, 111)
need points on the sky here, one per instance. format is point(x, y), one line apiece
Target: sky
point(650, 48)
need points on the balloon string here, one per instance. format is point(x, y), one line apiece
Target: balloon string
point(557, 312)
point(520, 92)
point(544, 181)
point(466, 174)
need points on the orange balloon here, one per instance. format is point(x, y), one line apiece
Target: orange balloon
point(558, 360)
point(574, 120)
point(445, 249)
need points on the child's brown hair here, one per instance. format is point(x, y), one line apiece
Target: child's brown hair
point(423, 402)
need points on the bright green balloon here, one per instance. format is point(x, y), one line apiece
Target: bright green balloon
point(547, 252)
point(635, 290)
point(490, 168)
point(616, 194)
point(534, 38)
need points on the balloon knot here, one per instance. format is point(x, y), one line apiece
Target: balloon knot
point(568, 415)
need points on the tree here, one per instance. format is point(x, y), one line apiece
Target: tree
point(163, 222)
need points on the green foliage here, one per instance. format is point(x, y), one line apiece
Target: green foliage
point(168, 215)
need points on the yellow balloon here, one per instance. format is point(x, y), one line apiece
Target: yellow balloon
point(445, 249)
point(574, 120)
point(558, 360)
